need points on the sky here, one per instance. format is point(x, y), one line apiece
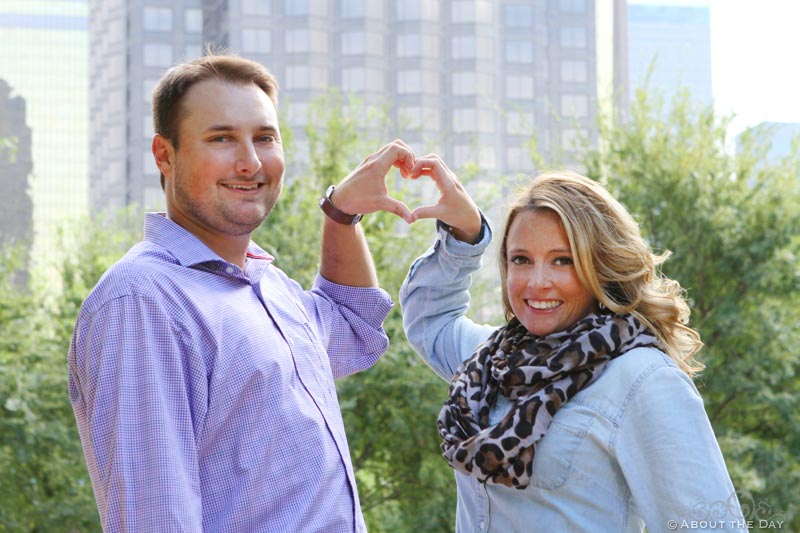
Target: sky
point(754, 71)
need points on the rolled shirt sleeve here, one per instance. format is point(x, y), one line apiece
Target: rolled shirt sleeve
point(435, 298)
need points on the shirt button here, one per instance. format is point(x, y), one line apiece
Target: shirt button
point(229, 270)
point(482, 524)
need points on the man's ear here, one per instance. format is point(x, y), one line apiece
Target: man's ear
point(164, 154)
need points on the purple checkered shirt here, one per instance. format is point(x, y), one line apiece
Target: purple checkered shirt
point(205, 396)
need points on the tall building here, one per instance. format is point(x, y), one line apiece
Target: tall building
point(675, 41)
point(44, 57)
point(471, 79)
point(16, 208)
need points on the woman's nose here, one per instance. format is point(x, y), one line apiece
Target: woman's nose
point(539, 277)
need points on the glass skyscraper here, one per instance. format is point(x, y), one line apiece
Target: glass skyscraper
point(676, 41)
point(44, 59)
point(473, 80)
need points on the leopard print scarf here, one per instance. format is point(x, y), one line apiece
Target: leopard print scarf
point(539, 375)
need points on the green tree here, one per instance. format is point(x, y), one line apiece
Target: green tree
point(45, 484)
point(732, 221)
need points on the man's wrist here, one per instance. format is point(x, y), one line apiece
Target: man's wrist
point(334, 213)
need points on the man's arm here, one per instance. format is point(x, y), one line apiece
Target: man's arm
point(128, 387)
point(345, 256)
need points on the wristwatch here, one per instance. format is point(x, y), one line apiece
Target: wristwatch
point(334, 213)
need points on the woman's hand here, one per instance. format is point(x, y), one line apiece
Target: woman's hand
point(455, 206)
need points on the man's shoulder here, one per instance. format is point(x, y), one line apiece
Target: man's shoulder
point(135, 273)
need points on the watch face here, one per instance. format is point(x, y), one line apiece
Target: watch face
point(357, 219)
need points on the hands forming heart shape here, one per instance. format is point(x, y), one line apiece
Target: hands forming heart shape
point(364, 190)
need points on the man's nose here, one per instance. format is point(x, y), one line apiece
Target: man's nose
point(247, 161)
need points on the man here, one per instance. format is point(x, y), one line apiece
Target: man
point(201, 376)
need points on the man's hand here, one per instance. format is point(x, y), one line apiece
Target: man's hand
point(455, 206)
point(364, 190)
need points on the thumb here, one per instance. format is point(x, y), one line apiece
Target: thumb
point(426, 211)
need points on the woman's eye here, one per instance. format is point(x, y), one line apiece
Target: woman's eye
point(563, 261)
point(518, 260)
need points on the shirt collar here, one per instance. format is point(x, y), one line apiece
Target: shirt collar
point(186, 247)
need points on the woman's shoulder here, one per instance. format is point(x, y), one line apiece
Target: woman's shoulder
point(625, 376)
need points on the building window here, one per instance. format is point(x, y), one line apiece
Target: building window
point(569, 140)
point(484, 156)
point(518, 16)
point(469, 11)
point(256, 41)
point(193, 51)
point(193, 20)
point(296, 8)
point(420, 118)
point(518, 159)
point(409, 82)
point(470, 120)
point(574, 72)
point(472, 83)
point(416, 81)
point(418, 10)
point(147, 128)
point(256, 7)
point(157, 55)
point(157, 19)
point(147, 89)
point(353, 9)
point(573, 37)
point(409, 45)
point(302, 40)
point(519, 123)
point(572, 6)
point(297, 113)
point(471, 47)
point(519, 87)
point(362, 79)
point(519, 51)
point(354, 43)
point(149, 163)
point(305, 77)
point(574, 105)
point(417, 45)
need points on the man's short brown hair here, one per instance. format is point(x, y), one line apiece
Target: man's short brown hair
point(172, 88)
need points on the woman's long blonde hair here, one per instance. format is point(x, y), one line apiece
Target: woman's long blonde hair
point(612, 259)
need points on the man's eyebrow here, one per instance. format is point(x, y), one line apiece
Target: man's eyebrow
point(226, 127)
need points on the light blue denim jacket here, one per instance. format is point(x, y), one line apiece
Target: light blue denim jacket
point(635, 448)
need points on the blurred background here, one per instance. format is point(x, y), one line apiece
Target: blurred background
point(685, 109)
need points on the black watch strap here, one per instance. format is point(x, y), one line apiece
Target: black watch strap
point(334, 213)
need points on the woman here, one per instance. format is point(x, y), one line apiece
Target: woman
point(580, 413)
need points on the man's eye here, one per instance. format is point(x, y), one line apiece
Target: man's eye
point(219, 139)
point(268, 139)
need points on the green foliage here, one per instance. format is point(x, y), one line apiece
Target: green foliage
point(45, 484)
point(732, 222)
